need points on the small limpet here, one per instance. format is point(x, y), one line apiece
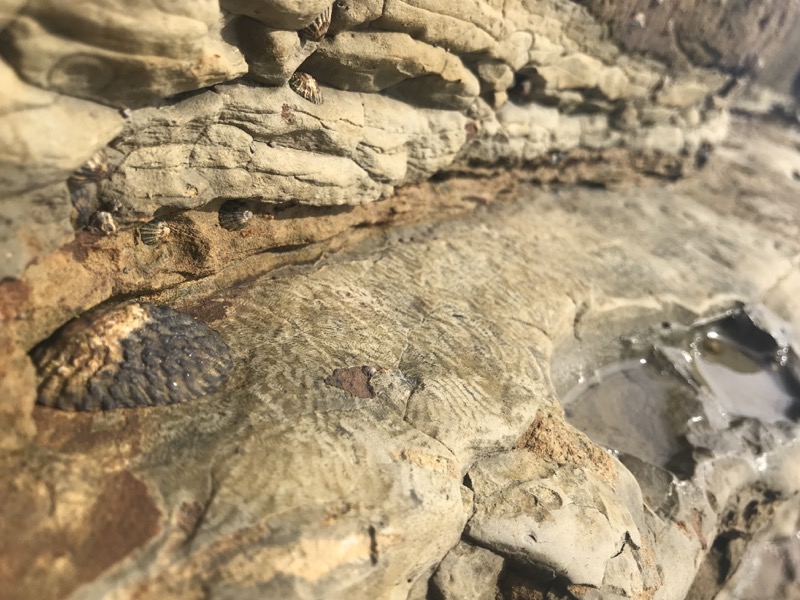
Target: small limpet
point(103, 221)
point(130, 355)
point(234, 215)
point(319, 27)
point(95, 169)
point(154, 232)
point(306, 86)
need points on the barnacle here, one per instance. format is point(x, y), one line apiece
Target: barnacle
point(103, 221)
point(154, 232)
point(234, 215)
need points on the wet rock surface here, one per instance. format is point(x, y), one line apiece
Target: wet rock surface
point(393, 420)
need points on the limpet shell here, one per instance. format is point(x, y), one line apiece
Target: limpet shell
point(95, 169)
point(234, 215)
point(154, 232)
point(319, 27)
point(306, 86)
point(103, 221)
point(130, 355)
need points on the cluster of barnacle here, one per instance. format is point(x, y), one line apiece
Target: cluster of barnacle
point(302, 83)
point(83, 186)
point(233, 215)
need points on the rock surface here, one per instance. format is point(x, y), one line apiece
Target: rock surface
point(411, 88)
point(442, 420)
point(393, 425)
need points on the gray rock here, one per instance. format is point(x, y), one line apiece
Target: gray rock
point(271, 145)
point(563, 518)
point(468, 572)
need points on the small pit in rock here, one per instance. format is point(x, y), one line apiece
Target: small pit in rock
point(688, 383)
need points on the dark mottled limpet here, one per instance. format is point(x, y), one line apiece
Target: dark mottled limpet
point(135, 354)
point(154, 232)
point(306, 86)
point(319, 27)
point(234, 215)
point(95, 169)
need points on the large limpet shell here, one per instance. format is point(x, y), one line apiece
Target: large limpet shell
point(130, 355)
point(306, 86)
point(319, 27)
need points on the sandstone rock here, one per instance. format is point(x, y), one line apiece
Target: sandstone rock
point(326, 489)
point(349, 14)
point(9, 10)
point(558, 517)
point(271, 145)
point(468, 59)
point(393, 62)
point(99, 52)
point(691, 32)
point(278, 14)
point(389, 399)
point(473, 27)
point(468, 572)
point(578, 71)
point(272, 54)
point(43, 136)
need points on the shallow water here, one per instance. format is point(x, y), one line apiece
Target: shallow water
point(706, 376)
point(635, 408)
point(746, 371)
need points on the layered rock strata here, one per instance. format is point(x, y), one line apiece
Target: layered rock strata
point(192, 101)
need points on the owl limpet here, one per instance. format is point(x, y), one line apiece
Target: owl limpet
point(306, 86)
point(234, 215)
point(130, 355)
point(319, 27)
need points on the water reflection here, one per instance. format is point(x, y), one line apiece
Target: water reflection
point(686, 384)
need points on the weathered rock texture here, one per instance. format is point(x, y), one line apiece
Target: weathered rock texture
point(393, 399)
point(411, 88)
point(392, 426)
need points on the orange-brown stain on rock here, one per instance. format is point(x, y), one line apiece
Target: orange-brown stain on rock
point(13, 296)
point(551, 438)
point(78, 432)
point(209, 310)
point(123, 518)
point(353, 380)
point(287, 114)
point(42, 559)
